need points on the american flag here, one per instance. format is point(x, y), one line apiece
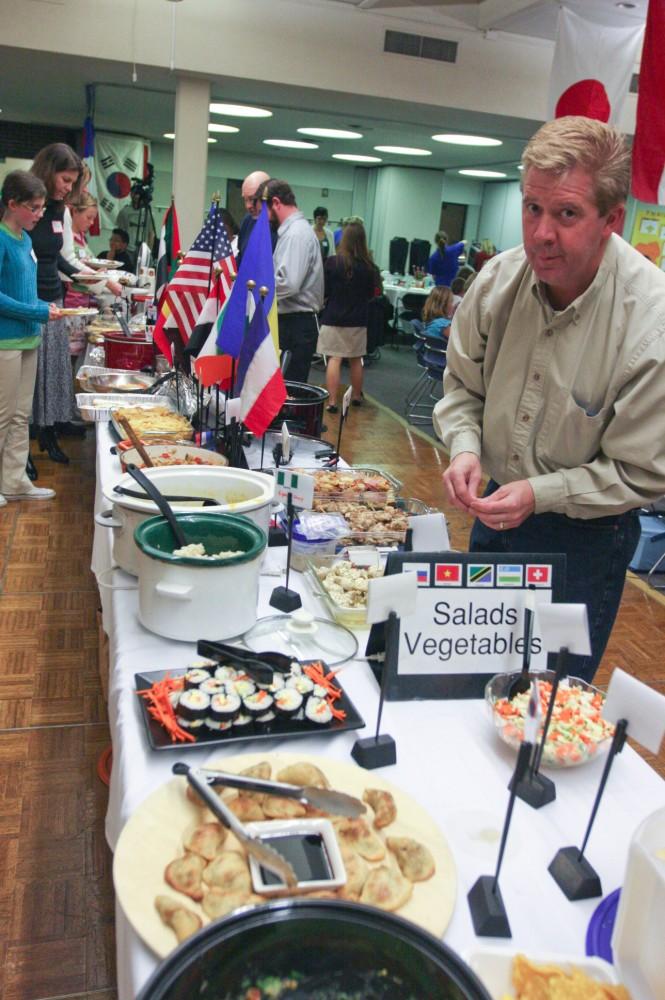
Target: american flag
point(188, 291)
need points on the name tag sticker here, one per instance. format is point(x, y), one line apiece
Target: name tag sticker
point(56, 225)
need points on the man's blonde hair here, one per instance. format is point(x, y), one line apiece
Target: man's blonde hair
point(574, 141)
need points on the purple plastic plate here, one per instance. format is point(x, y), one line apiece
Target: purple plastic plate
point(601, 925)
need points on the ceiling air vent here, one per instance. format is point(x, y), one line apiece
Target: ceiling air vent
point(420, 46)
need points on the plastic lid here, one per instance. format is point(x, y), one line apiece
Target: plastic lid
point(601, 926)
point(306, 638)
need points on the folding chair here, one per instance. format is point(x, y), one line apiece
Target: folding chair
point(428, 388)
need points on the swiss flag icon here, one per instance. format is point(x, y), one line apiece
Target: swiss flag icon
point(539, 576)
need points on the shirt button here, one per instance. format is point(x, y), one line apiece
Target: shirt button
point(525, 418)
point(536, 376)
point(515, 458)
point(548, 333)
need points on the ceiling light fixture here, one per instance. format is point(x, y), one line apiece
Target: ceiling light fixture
point(211, 140)
point(214, 127)
point(403, 150)
point(239, 110)
point(331, 133)
point(467, 140)
point(626, 6)
point(290, 143)
point(356, 158)
point(472, 172)
point(171, 135)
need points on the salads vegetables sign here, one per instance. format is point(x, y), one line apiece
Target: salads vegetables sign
point(469, 619)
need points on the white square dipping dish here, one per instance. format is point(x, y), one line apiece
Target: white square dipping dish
point(275, 829)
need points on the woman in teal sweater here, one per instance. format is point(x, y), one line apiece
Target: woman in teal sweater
point(21, 317)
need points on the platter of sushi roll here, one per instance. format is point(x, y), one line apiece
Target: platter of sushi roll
point(215, 703)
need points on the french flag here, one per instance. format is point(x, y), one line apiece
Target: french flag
point(259, 384)
point(649, 145)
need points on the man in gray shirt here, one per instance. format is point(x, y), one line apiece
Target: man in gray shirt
point(298, 278)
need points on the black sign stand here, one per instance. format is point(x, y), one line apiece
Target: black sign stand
point(535, 789)
point(488, 912)
point(380, 750)
point(571, 871)
point(282, 598)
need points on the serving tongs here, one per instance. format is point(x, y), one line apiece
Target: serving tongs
point(264, 854)
point(116, 309)
point(325, 799)
point(222, 651)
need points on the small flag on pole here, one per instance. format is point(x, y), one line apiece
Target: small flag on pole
point(260, 384)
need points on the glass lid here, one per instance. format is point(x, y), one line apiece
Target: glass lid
point(304, 637)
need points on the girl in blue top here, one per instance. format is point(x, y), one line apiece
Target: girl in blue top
point(21, 317)
point(438, 311)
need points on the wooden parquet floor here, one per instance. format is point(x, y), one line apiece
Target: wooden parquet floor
point(56, 896)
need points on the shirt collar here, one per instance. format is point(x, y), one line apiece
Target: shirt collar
point(288, 220)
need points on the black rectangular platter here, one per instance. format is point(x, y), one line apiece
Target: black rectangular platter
point(159, 739)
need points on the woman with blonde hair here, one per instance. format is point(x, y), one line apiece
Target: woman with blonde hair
point(351, 281)
point(438, 311)
point(61, 172)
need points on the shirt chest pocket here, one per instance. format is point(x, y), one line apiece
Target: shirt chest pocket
point(570, 435)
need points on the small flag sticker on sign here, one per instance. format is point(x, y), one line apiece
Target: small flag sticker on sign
point(508, 575)
point(539, 576)
point(480, 575)
point(448, 575)
point(421, 570)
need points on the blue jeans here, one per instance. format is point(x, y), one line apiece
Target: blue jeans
point(597, 553)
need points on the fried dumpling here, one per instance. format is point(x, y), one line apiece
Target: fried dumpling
point(229, 872)
point(304, 775)
point(383, 804)
point(275, 807)
point(414, 859)
point(184, 875)
point(206, 840)
point(356, 875)
point(219, 902)
point(386, 888)
point(357, 835)
point(247, 808)
point(182, 921)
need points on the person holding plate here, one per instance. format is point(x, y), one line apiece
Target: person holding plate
point(61, 172)
point(21, 315)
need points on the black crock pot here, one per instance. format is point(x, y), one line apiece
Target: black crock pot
point(311, 937)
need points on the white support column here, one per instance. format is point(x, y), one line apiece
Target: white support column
point(190, 154)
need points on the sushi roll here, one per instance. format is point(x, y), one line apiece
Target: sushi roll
point(195, 677)
point(257, 704)
point(288, 702)
point(278, 684)
point(192, 709)
point(226, 673)
point(217, 727)
point(263, 720)
point(212, 687)
point(224, 707)
point(318, 710)
point(319, 691)
point(244, 687)
point(243, 724)
point(301, 683)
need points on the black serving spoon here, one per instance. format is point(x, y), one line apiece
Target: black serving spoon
point(161, 501)
point(204, 501)
point(522, 682)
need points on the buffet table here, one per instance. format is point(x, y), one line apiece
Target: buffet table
point(448, 758)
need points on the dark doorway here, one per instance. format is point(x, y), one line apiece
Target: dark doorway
point(452, 220)
point(234, 202)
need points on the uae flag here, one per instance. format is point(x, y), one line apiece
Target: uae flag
point(649, 143)
point(592, 68)
point(169, 247)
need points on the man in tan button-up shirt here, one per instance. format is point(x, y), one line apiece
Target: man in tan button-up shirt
point(555, 384)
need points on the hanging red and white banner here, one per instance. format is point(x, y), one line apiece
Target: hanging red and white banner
point(649, 145)
point(119, 160)
point(592, 68)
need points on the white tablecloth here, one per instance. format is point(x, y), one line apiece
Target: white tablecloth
point(448, 758)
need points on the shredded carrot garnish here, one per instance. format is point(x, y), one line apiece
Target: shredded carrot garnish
point(160, 707)
point(316, 672)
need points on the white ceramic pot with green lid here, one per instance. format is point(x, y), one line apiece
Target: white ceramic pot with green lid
point(188, 597)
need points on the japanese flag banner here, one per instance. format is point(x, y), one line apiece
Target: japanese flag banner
point(649, 145)
point(592, 68)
